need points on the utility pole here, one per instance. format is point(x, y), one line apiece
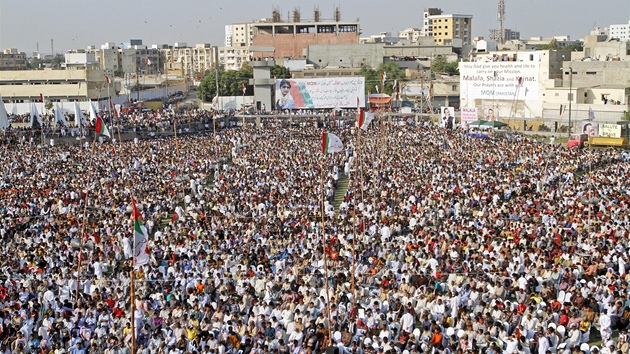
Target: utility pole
point(570, 98)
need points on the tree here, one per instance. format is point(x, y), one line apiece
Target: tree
point(626, 114)
point(280, 72)
point(207, 88)
point(48, 105)
point(119, 73)
point(374, 78)
point(552, 45)
point(441, 65)
point(229, 82)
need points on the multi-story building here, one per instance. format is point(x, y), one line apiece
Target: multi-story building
point(11, 59)
point(447, 27)
point(232, 58)
point(410, 34)
point(426, 21)
point(621, 32)
point(508, 35)
point(132, 58)
point(228, 36)
point(289, 39)
point(204, 57)
point(241, 35)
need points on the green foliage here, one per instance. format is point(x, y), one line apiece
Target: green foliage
point(229, 83)
point(280, 72)
point(373, 77)
point(441, 65)
point(48, 105)
point(119, 73)
point(626, 115)
point(543, 128)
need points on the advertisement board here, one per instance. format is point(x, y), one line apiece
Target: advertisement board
point(590, 128)
point(499, 80)
point(320, 93)
point(468, 115)
point(610, 130)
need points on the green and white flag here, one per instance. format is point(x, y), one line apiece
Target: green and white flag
point(140, 239)
point(331, 143)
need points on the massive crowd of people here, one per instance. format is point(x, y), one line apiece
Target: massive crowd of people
point(441, 243)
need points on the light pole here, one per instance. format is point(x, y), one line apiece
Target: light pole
point(570, 98)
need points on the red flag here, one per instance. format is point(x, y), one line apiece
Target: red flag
point(113, 150)
point(96, 238)
point(148, 62)
point(362, 226)
point(244, 87)
point(107, 79)
point(175, 216)
point(41, 98)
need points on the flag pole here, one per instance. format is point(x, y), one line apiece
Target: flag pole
point(324, 254)
point(132, 295)
point(85, 220)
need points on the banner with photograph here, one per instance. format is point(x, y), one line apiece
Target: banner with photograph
point(590, 128)
point(320, 93)
point(468, 115)
point(447, 117)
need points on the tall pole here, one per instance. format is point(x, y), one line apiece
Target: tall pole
point(324, 254)
point(132, 295)
point(85, 220)
point(570, 98)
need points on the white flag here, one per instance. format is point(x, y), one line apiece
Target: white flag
point(35, 116)
point(59, 117)
point(4, 119)
point(331, 143)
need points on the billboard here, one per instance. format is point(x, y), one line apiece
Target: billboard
point(610, 130)
point(320, 93)
point(468, 115)
point(499, 80)
point(590, 128)
point(447, 120)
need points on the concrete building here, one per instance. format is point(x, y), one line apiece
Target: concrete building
point(621, 32)
point(345, 55)
point(11, 59)
point(241, 35)
point(232, 58)
point(508, 35)
point(228, 36)
point(132, 58)
point(447, 27)
point(600, 47)
point(374, 54)
point(383, 37)
point(427, 29)
point(410, 34)
point(290, 38)
point(21, 86)
point(80, 60)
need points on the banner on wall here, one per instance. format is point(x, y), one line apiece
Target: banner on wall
point(320, 93)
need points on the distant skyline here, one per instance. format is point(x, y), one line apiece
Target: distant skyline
point(77, 24)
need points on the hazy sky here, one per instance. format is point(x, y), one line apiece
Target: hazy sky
point(76, 24)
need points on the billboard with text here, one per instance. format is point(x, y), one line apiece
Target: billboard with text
point(501, 80)
point(320, 93)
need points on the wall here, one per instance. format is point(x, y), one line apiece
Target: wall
point(288, 45)
point(345, 55)
point(68, 105)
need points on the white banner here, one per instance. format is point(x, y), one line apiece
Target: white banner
point(320, 93)
point(468, 115)
point(502, 80)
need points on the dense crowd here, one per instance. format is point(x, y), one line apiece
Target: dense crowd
point(442, 243)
